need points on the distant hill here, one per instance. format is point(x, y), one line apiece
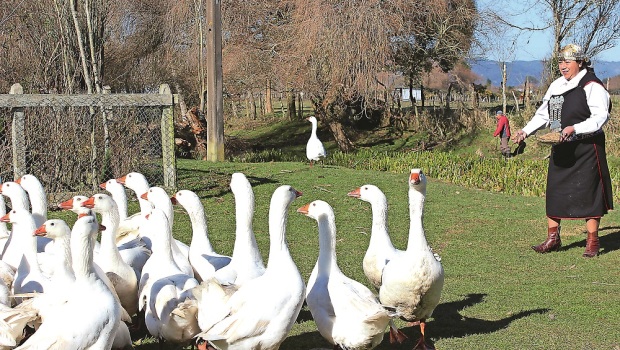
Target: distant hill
point(518, 70)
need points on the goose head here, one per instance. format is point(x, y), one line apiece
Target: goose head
point(135, 181)
point(368, 193)
point(111, 185)
point(417, 180)
point(155, 195)
point(316, 210)
point(185, 198)
point(15, 215)
point(54, 228)
point(16, 193)
point(29, 182)
point(74, 204)
point(99, 202)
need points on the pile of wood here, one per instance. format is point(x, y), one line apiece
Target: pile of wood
point(190, 135)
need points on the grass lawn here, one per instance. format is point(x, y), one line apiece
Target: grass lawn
point(498, 293)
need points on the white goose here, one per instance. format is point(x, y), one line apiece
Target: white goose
point(122, 275)
point(7, 272)
point(128, 225)
point(380, 248)
point(55, 296)
point(13, 321)
point(37, 197)
point(134, 252)
point(314, 148)
point(413, 280)
point(159, 199)
point(346, 312)
point(67, 329)
point(260, 314)
point(202, 256)
point(4, 231)
point(19, 200)
point(165, 290)
point(247, 262)
point(28, 275)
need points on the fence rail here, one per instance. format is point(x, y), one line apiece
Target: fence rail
point(72, 143)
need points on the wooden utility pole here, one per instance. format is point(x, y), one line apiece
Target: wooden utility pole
point(215, 104)
point(504, 80)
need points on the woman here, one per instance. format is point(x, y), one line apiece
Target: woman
point(578, 181)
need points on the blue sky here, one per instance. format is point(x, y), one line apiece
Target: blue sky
point(535, 45)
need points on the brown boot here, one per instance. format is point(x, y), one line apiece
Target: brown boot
point(553, 242)
point(592, 245)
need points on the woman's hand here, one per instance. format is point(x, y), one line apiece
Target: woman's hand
point(567, 132)
point(519, 136)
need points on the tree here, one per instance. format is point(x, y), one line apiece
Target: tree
point(342, 46)
point(594, 25)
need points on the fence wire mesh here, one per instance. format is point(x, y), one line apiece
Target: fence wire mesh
point(73, 148)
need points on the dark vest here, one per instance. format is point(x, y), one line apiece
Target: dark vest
point(571, 107)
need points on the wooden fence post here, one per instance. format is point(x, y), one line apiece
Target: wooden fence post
point(167, 140)
point(17, 136)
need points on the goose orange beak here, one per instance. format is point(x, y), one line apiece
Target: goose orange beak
point(122, 179)
point(68, 204)
point(102, 185)
point(89, 203)
point(355, 193)
point(304, 209)
point(5, 218)
point(145, 195)
point(40, 231)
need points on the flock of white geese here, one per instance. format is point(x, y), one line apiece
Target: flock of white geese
point(61, 288)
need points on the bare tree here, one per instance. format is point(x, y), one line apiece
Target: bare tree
point(595, 25)
point(341, 47)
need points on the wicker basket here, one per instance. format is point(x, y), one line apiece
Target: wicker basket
point(549, 138)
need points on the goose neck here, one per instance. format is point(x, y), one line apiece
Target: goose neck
point(110, 219)
point(417, 238)
point(327, 245)
point(278, 246)
point(81, 255)
point(200, 231)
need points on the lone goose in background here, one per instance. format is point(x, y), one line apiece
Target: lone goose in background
point(413, 280)
point(314, 148)
point(246, 263)
point(346, 312)
point(203, 258)
point(261, 313)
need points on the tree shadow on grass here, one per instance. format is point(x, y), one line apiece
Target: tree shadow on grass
point(609, 241)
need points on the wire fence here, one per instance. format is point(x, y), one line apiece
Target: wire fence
point(73, 143)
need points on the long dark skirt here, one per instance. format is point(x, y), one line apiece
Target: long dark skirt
point(578, 181)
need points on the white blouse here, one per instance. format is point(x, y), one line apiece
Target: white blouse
point(598, 102)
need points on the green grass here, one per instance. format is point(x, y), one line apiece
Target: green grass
point(498, 293)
